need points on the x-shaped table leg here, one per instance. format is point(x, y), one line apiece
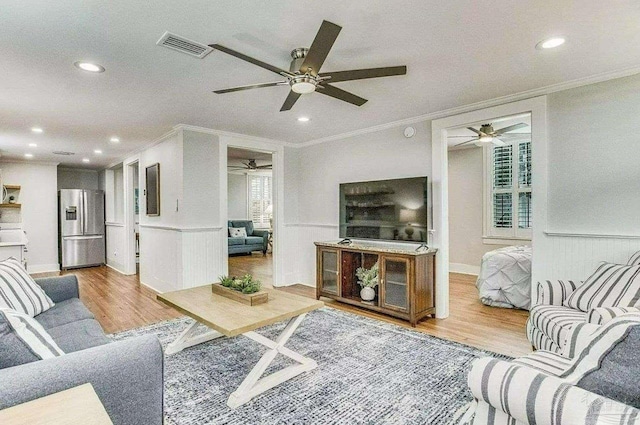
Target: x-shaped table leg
point(253, 384)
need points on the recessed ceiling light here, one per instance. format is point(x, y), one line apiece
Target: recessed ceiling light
point(303, 119)
point(86, 160)
point(97, 151)
point(89, 67)
point(28, 155)
point(33, 145)
point(550, 43)
point(37, 130)
point(115, 140)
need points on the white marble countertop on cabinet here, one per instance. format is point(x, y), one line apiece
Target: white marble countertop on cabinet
point(389, 248)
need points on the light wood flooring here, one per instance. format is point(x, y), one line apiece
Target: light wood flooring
point(120, 302)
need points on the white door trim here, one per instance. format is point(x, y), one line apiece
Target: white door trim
point(277, 152)
point(537, 106)
point(129, 215)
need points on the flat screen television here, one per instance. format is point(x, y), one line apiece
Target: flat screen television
point(390, 210)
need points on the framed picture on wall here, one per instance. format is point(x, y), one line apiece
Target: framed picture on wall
point(152, 189)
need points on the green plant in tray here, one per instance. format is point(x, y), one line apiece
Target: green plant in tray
point(245, 284)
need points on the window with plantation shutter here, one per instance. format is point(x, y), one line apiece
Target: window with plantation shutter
point(508, 191)
point(259, 200)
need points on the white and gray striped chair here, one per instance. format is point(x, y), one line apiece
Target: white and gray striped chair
point(547, 388)
point(550, 320)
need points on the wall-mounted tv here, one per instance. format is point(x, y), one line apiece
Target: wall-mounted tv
point(394, 210)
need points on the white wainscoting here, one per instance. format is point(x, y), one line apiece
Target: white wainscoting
point(202, 256)
point(115, 247)
point(302, 252)
point(173, 258)
point(571, 256)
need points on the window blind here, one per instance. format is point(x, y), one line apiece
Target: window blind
point(259, 200)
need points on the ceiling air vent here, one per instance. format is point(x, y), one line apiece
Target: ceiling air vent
point(184, 45)
point(63, 153)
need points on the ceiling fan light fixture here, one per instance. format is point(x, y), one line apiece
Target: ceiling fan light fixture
point(303, 87)
point(485, 138)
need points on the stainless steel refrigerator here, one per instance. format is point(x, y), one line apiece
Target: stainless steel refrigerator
point(82, 241)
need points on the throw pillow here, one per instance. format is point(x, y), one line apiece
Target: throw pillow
point(634, 260)
point(18, 291)
point(23, 340)
point(237, 232)
point(616, 376)
point(611, 285)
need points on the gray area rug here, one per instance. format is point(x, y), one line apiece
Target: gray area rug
point(369, 372)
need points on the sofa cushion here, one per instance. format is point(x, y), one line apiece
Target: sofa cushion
point(236, 241)
point(18, 291)
point(64, 312)
point(23, 340)
point(79, 335)
point(555, 322)
point(253, 240)
point(247, 224)
point(611, 285)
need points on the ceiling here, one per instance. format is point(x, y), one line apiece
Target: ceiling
point(457, 52)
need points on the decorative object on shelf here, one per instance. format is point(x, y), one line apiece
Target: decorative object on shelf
point(368, 280)
point(12, 199)
point(245, 289)
point(408, 216)
point(152, 191)
point(136, 201)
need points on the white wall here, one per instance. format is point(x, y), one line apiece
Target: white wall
point(237, 197)
point(76, 178)
point(466, 247)
point(386, 154)
point(593, 179)
point(39, 199)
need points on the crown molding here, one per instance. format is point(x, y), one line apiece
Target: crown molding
point(30, 161)
point(149, 145)
point(579, 82)
point(231, 134)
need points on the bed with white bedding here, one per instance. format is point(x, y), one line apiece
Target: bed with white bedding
point(505, 278)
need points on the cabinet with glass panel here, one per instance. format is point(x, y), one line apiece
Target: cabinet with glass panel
point(405, 285)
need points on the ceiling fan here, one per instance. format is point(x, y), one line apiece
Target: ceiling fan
point(251, 165)
point(487, 135)
point(304, 75)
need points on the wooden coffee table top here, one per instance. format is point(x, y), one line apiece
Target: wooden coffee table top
point(79, 405)
point(233, 318)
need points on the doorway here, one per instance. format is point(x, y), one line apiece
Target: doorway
point(132, 193)
point(250, 212)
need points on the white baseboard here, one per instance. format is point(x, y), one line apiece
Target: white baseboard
point(43, 268)
point(464, 269)
point(116, 267)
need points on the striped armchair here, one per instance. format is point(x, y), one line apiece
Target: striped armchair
point(547, 388)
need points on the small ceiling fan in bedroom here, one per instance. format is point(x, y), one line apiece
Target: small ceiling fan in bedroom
point(304, 77)
point(487, 135)
point(251, 165)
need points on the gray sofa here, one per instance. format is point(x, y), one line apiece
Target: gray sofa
point(126, 375)
point(256, 240)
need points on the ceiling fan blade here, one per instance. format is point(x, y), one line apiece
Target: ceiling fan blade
point(498, 142)
point(291, 99)
point(252, 86)
point(320, 47)
point(454, 137)
point(250, 59)
point(361, 74)
point(464, 143)
point(266, 166)
point(236, 167)
point(340, 94)
point(510, 128)
point(474, 130)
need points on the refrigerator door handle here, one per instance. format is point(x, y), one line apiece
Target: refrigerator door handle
point(78, 238)
point(84, 212)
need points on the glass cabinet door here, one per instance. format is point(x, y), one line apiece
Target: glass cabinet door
point(329, 263)
point(396, 283)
